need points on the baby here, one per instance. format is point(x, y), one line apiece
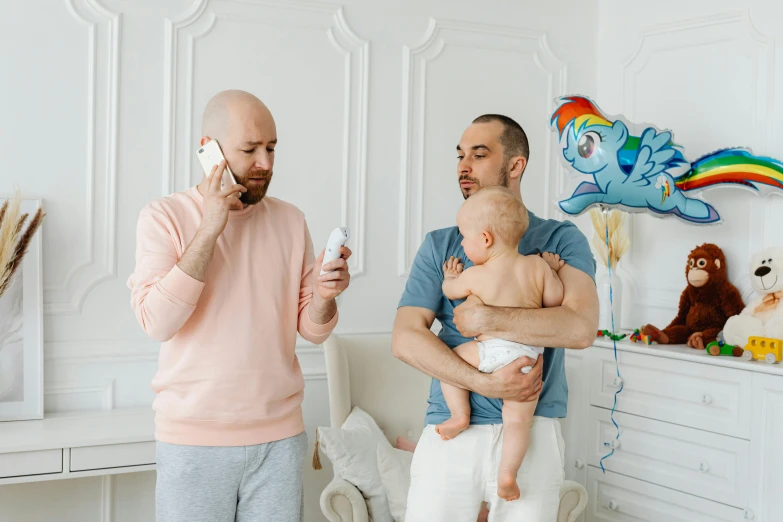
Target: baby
point(492, 222)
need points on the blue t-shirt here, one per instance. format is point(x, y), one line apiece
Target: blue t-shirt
point(424, 290)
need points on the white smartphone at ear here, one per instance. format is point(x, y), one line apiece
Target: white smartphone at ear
point(210, 155)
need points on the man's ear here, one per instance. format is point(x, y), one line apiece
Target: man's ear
point(204, 140)
point(517, 167)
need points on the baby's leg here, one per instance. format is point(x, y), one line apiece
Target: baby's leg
point(517, 420)
point(457, 399)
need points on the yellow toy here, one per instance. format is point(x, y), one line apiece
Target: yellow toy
point(764, 349)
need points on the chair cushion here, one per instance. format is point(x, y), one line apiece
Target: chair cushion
point(394, 466)
point(352, 450)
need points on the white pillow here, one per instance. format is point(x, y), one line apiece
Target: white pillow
point(352, 452)
point(394, 466)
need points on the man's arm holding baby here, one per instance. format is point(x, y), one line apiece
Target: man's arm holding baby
point(571, 325)
point(415, 344)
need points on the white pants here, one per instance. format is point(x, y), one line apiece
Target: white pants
point(450, 479)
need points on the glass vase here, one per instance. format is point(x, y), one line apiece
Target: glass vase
point(604, 284)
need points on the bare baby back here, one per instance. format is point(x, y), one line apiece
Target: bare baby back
point(514, 281)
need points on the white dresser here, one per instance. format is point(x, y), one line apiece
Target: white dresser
point(77, 444)
point(701, 437)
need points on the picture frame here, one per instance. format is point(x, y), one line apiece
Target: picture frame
point(21, 334)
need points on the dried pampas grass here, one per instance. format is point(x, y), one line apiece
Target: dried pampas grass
point(14, 242)
point(618, 239)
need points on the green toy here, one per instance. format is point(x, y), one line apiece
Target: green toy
point(610, 335)
point(721, 348)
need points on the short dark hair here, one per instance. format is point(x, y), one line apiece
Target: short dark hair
point(513, 139)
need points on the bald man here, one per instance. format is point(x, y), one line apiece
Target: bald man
point(225, 278)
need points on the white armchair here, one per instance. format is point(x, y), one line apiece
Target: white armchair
point(361, 371)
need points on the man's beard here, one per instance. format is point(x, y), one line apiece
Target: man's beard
point(255, 191)
point(502, 181)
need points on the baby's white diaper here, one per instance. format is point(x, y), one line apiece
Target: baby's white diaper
point(496, 353)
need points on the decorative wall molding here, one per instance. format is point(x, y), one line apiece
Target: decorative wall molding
point(104, 391)
point(101, 352)
point(357, 56)
point(311, 374)
point(198, 21)
point(103, 59)
point(309, 350)
point(735, 27)
point(129, 351)
point(414, 72)
point(738, 29)
point(361, 333)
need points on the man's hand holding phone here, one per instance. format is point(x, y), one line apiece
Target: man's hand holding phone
point(218, 202)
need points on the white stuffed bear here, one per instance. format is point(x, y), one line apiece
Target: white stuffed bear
point(763, 317)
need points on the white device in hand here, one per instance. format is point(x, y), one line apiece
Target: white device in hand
point(337, 238)
point(210, 155)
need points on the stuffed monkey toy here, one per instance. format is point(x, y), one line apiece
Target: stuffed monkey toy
point(705, 304)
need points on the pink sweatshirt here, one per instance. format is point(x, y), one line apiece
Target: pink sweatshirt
point(228, 374)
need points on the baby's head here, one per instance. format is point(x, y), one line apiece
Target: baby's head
point(493, 219)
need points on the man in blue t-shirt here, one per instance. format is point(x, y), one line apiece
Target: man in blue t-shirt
point(450, 479)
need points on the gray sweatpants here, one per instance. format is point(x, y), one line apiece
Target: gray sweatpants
point(231, 483)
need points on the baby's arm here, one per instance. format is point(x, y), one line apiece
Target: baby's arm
point(553, 286)
point(455, 281)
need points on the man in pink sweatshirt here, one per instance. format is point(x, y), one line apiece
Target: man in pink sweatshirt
point(225, 278)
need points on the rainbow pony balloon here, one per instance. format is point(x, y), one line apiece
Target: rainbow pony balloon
point(648, 172)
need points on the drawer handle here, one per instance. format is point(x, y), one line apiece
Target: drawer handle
point(749, 515)
point(617, 382)
point(704, 467)
point(614, 444)
point(579, 464)
point(706, 398)
point(613, 505)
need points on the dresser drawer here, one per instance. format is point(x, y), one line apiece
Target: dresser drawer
point(112, 456)
point(31, 463)
point(711, 466)
point(615, 498)
point(691, 394)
